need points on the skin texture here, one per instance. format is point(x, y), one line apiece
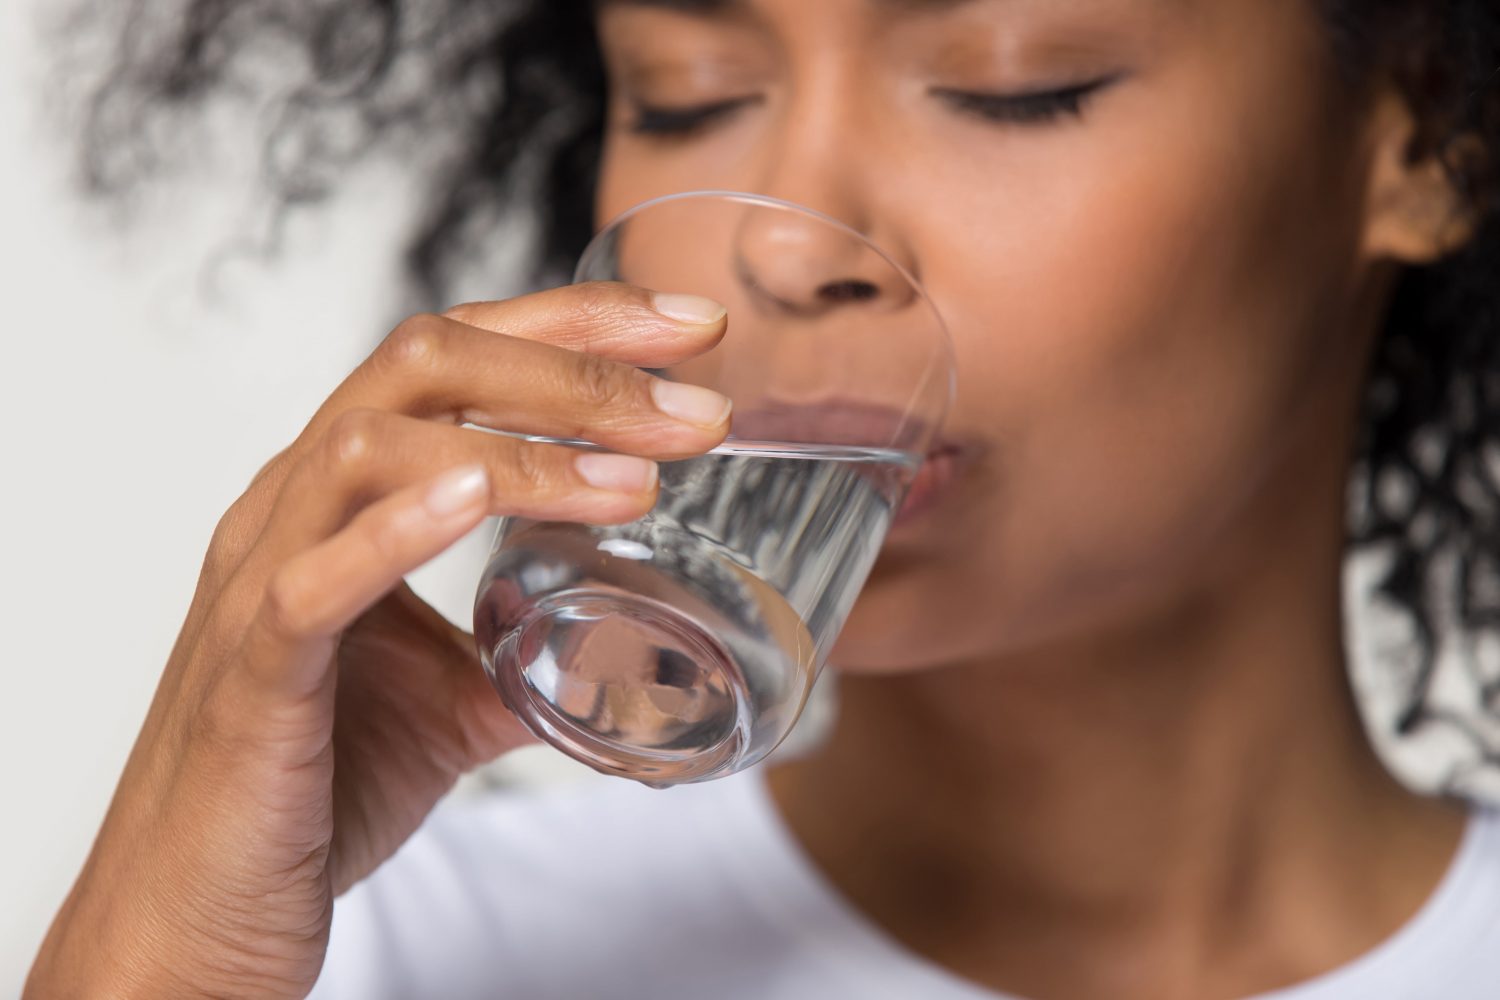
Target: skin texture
point(1095, 736)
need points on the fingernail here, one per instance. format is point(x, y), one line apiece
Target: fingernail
point(688, 308)
point(691, 403)
point(457, 490)
point(617, 473)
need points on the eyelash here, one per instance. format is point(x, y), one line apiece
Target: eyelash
point(683, 121)
point(1038, 107)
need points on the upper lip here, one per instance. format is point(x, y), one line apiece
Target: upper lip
point(841, 421)
point(943, 446)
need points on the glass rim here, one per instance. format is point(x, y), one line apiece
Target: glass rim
point(944, 336)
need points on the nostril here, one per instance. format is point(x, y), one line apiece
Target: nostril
point(849, 290)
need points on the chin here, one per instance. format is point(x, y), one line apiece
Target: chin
point(922, 615)
point(895, 629)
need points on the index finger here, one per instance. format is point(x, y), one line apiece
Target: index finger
point(625, 323)
point(612, 320)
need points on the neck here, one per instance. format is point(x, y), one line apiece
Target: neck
point(1185, 805)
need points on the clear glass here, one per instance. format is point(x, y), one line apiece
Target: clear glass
point(682, 646)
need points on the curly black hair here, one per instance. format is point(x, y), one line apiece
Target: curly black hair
point(511, 95)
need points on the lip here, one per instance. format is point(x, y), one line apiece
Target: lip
point(832, 421)
point(855, 422)
point(934, 482)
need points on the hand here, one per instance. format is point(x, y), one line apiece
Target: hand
point(314, 709)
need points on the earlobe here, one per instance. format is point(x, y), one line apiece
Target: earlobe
point(1415, 214)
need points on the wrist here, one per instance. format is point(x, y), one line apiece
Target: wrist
point(101, 953)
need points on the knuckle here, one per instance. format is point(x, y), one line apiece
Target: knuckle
point(414, 342)
point(598, 383)
point(351, 440)
point(233, 535)
point(282, 605)
point(227, 541)
point(530, 469)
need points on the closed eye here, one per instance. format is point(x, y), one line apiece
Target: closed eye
point(1033, 107)
point(668, 121)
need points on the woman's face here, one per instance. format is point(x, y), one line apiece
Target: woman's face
point(1141, 219)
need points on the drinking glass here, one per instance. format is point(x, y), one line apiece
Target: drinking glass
point(682, 646)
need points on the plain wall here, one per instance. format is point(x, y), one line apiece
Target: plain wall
point(136, 407)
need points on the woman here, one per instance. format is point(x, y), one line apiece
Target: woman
point(1095, 737)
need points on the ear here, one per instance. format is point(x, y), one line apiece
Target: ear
point(1415, 214)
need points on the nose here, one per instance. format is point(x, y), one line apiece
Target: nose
point(789, 264)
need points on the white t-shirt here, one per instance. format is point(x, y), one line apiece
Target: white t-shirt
point(613, 890)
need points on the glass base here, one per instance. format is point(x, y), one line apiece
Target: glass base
point(626, 684)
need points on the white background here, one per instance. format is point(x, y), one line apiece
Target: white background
point(136, 406)
point(134, 411)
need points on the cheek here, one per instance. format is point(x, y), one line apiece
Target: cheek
point(1150, 318)
point(1152, 333)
